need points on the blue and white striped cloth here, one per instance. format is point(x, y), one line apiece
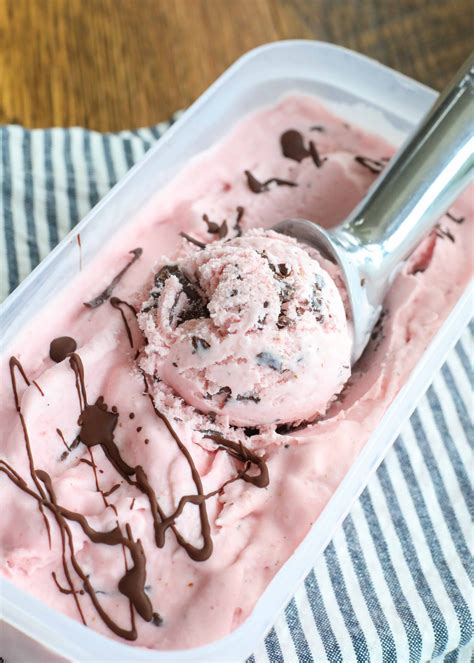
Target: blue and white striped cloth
point(395, 582)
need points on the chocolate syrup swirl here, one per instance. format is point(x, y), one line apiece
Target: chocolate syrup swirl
point(105, 294)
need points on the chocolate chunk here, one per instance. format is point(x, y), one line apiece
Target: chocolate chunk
point(286, 292)
point(214, 228)
point(157, 620)
point(268, 359)
point(196, 306)
point(317, 127)
point(284, 270)
point(200, 344)
point(284, 321)
point(313, 150)
point(224, 394)
point(249, 397)
point(251, 431)
point(61, 347)
point(292, 145)
point(238, 221)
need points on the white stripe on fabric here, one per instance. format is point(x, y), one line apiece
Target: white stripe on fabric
point(307, 622)
point(450, 474)
point(408, 587)
point(81, 173)
point(38, 206)
point(333, 610)
point(286, 641)
point(4, 275)
point(21, 241)
point(442, 510)
point(448, 404)
point(59, 179)
point(430, 569)
point(443, 540)
point(359, 604)
point(457, 369)
point(118, 157)
point(379, 582)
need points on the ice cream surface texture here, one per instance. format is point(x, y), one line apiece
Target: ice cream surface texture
point(252, 328)
point(172, 422)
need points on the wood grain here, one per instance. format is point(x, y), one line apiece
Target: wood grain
point(114, 64)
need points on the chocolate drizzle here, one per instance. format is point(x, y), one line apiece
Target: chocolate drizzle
point(97, 426)
point(240, 452)
point(444, 232)
point(61, 347)
point(373, 165)
point(192, 240)
point(313, 150)
point(456, 219)
point(117, 304)
point(105, 294)
point(14, 364)
point(259, 187)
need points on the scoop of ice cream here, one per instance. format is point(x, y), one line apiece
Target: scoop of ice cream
point(252, 328)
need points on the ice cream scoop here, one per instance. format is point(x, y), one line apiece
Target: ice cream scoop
point(252, 329)
point(429, 172)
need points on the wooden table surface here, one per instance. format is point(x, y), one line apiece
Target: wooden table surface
point(115, 64)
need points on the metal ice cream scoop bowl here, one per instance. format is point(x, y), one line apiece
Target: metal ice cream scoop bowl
point(424, 178)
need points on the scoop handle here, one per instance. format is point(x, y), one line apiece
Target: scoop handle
point(423, 180)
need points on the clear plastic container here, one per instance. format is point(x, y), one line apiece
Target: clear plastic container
point(366, 93)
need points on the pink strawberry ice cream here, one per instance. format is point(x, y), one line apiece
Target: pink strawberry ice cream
point(273, 326)
point(167, 445)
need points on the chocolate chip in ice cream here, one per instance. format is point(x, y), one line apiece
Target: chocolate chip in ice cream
point(270, 360)
point(196, 305)
point(213, 228)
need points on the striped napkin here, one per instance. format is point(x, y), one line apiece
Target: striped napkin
point(394, 584)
